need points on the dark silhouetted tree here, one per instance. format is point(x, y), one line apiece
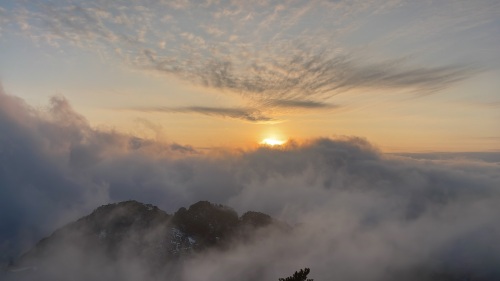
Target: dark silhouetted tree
point(301, 275)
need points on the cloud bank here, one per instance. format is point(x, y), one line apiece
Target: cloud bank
point(358, 214)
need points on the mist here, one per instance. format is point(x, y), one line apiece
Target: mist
point(357, 213)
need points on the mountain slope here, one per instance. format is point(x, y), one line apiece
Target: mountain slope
point(142, 233)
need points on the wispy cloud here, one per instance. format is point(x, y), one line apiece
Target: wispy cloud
point(294, 51)
point(307, 76)
point(300, 104)
point(265, 114)
point(183, 148)
point(246, 114)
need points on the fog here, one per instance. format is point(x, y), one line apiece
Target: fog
point(357, 213)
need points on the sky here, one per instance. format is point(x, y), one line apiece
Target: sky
point(409, 76)
point(390, 109)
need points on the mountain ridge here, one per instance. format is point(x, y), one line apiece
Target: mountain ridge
point(132, 229)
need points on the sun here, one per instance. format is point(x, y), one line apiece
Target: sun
point(272, 142)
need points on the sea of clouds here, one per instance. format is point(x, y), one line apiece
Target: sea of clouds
point(358, 213)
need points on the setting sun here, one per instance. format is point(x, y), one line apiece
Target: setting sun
point(272, 142)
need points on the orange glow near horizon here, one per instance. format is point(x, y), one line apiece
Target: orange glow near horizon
point(272, 142)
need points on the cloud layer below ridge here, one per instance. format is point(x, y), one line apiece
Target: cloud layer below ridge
point(359, 214)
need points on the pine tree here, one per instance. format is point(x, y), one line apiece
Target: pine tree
point(298, 276)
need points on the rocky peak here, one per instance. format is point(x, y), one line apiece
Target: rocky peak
point(209, 222)
point(124, 216)
point(255, 219)
point(134, 229)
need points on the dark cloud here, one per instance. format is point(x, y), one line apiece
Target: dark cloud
point(36, 155)
point(182, 148)
point(246, 114)
point(40, 152)
point(299, 104)
point(267, 109)
point(358, 214)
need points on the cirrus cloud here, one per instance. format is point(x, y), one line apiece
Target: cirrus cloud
point(270, 51)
